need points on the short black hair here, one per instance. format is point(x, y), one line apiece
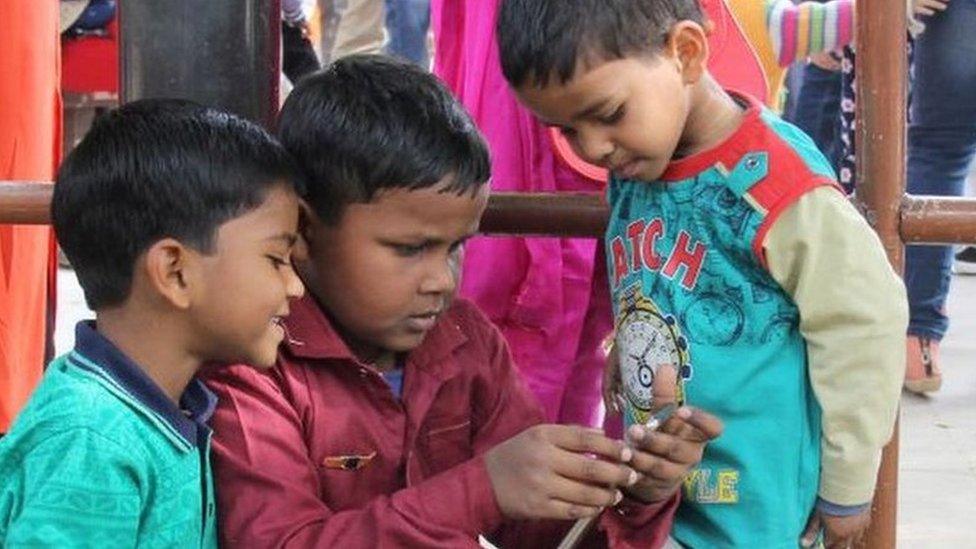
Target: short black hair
point(368, 123)
point(154, 169)
point(544, 39)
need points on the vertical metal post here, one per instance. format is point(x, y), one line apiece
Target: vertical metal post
point(881, 74)
point(219, 53)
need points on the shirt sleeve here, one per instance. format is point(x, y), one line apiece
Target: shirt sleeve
point(75, 486)
point(279, 505)
point(853, 316)
point(800, 30)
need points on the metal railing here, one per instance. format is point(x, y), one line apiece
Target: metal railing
point(921, 219)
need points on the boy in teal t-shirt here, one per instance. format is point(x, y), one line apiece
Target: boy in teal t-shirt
point(733, 262)
point(179, 221)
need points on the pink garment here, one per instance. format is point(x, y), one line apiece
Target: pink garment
point(540, 292)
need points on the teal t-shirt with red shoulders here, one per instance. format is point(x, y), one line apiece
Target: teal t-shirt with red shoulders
point(691, 290)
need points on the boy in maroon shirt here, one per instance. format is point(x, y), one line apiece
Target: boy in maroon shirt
point(394, 416)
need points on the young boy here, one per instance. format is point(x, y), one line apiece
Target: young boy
point(395, 417)
point(733, 258)
point(179, 221)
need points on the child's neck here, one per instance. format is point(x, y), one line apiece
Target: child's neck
point(161, 355)
point(713, 118)
point(380, 359)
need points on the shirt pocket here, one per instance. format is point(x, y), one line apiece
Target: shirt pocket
point(350, 479)
point(446, 444)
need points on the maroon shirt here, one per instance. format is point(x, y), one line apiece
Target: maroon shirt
point(318, 452)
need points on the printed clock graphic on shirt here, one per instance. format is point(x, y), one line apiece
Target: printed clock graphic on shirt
point(653, 358)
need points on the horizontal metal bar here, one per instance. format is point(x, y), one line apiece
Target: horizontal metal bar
point(938, 220)
point(25, 202)
point(924, 219)
point(559, 215)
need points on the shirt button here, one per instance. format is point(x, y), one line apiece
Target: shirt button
point(363, 373)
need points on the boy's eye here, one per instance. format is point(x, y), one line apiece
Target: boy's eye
point(613, 117)
point(409, 250)
point(278, 262)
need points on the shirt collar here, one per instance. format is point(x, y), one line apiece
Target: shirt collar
point(309, 334)
point(729, 151)
point(198, 402)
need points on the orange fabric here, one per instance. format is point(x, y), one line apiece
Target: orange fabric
point(30, 137)
point(803, 31)
point(751, 16)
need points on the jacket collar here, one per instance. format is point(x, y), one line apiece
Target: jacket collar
point(99, 356)
point(310, 334)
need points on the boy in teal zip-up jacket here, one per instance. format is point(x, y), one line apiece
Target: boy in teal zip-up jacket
point(179, 221)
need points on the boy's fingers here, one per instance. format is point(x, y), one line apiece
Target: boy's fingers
point(812, 531)
point(659, 468)
point(588, 441)
point(694, 425)
point(581, 468)
point(581, 493)
point(561, 510)
point(663, 445)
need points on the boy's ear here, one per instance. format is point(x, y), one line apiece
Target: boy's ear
point(307, 220)
point(169, 267)
point(688, 45)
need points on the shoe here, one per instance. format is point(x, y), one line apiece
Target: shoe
point(965, 263)
point(922, 374)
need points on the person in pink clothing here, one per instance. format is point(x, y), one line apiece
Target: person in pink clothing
point(544, 294)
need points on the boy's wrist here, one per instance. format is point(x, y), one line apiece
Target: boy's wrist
point(646, 495)
point(476, 473)
point(838, 510)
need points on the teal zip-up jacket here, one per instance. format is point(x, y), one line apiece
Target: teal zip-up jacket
point(100, 457)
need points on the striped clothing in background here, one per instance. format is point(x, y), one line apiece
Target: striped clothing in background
point(797, 31)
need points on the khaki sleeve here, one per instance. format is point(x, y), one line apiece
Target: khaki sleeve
point(853, 316)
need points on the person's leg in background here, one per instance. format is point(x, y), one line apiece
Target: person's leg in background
point(791, 84)
point(407, 22)
point(360, 28)
point(817, 109)
point(966, 256)
point(941, 143)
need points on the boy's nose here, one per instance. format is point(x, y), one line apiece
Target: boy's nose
point(442, 279)
point(594, 147)
point(294, 288)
